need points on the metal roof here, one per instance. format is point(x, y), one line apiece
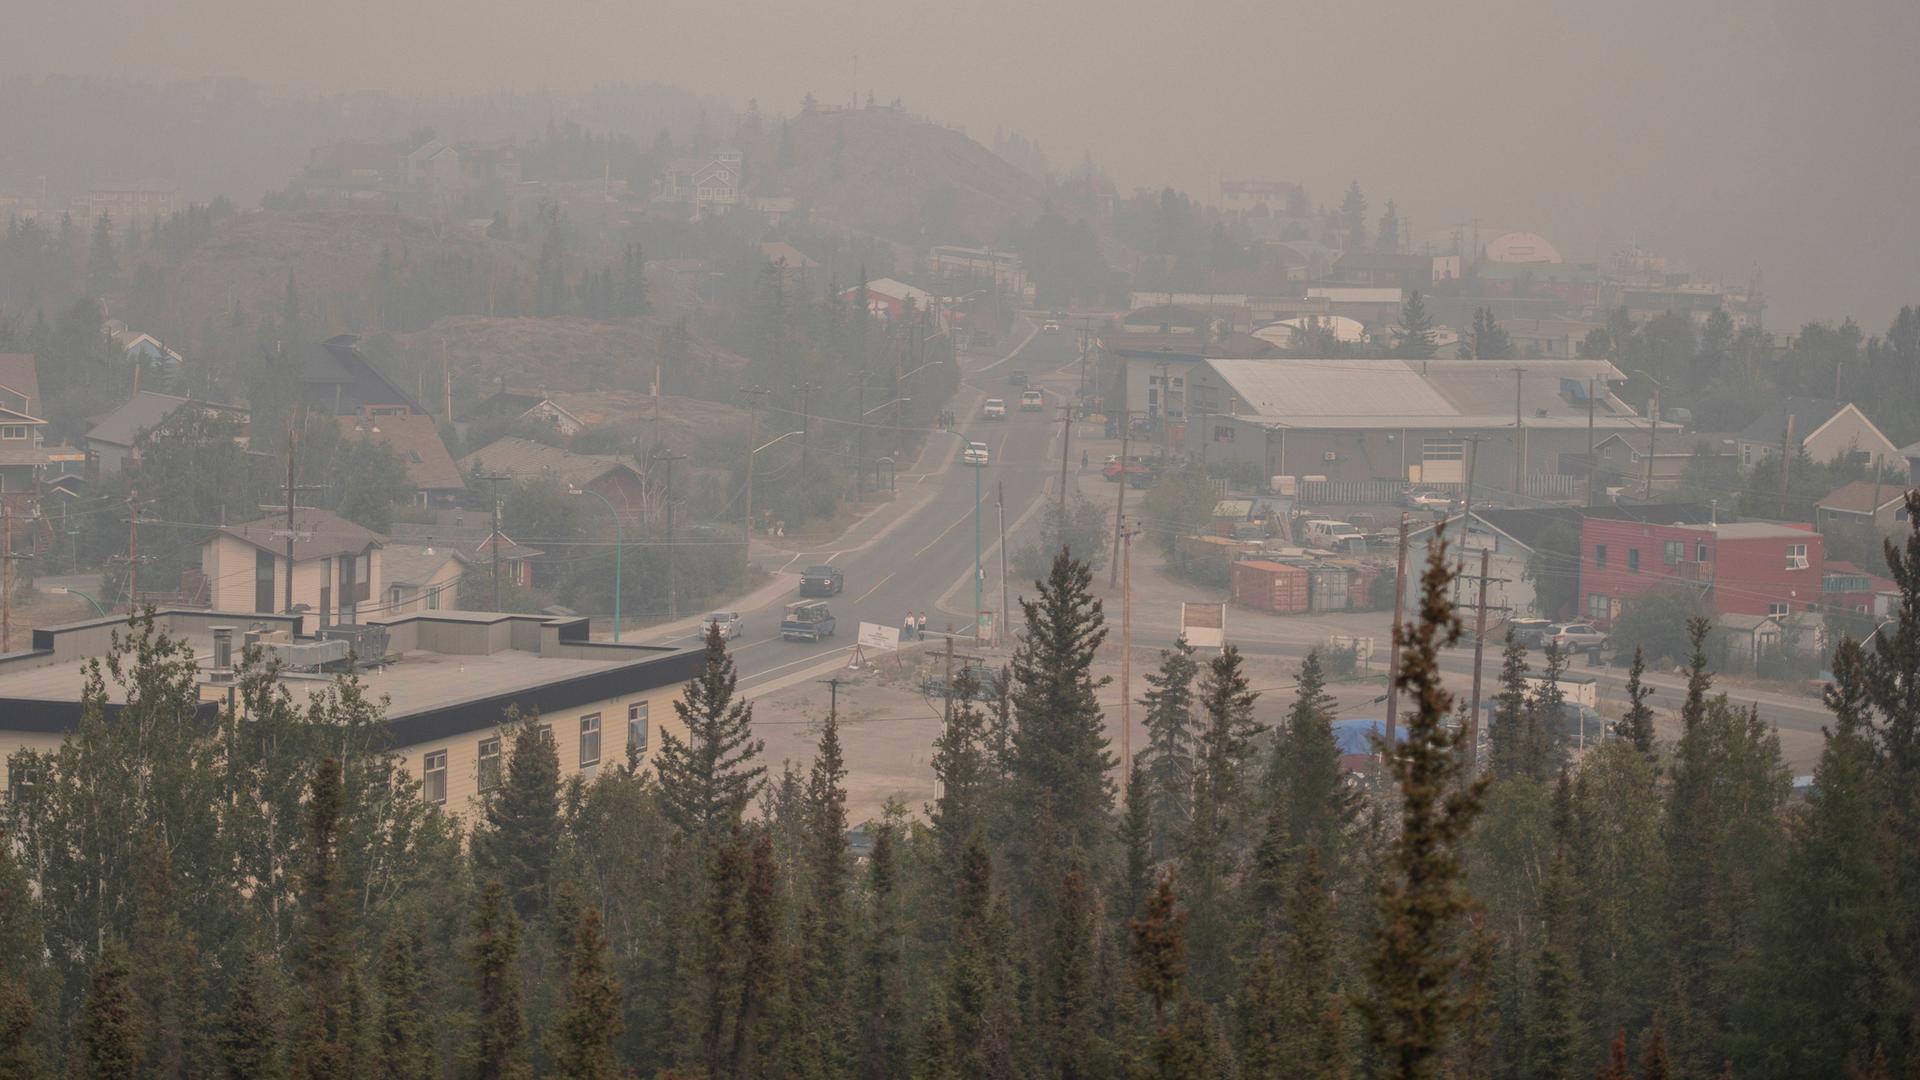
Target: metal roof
point(1335, 394)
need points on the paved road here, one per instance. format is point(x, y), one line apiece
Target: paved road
point(913, 554)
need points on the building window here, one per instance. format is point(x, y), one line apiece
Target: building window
point(589, 740)
point(13, 431)
point(1596, 606)
point(1676, 551)
point(1633, 560)
point(433, 777)
point(637, 730)
point(1600, 556)
point(489, 772)
point(1796, 556)
point(1700, 552)
point(1776, 608)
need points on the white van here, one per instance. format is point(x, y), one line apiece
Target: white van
point(996, 409)
point(1332, 535)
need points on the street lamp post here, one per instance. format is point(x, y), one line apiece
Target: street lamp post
point(572, 490)
point(977, 470)
point(746, 532)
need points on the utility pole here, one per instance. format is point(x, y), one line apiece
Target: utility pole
point(1479, 647)
point(977, 573)
point(1000, 498)
point(493, 538)
point(1592, 467)
point(1519, 433)
point(1126, 663)
point(133, 552)
point(805, 391)
point(666, 503)
point(860, 433)
point(1066, 438)
point(1786, 464)
point(1393, 658)
point(1120, 508)
point(833, 697)
point(1653, 436)
point(288, 607)
point(6, 576)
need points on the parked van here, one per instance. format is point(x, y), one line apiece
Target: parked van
point(1332, 535)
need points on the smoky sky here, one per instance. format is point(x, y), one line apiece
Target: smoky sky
point(1771, 136)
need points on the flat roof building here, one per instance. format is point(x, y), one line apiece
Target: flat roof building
point(449, 679)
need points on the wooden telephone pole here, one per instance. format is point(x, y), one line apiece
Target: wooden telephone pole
point(6, 576)
point(1393, 658)
point(1120, 508)
point(1126, 661)
point(1479, 649)
point(666, 504)
point(133, 552)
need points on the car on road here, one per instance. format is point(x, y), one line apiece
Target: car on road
point(1426, 498)
point(822, 580)
point(808, 620)
point(1050, 327)
point(1136, 469)
point(995, 409)
point(1576, 637)
point(728, 622)
point(1017, 377)
point(1032, 401)
point(1529, 633)
point(976, 453)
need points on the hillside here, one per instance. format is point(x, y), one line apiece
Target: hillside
point(561, 354)
point(898, 177)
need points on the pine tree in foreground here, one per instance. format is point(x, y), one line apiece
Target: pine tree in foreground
point(1136, 843)
point(1060, 741)
point(325, 1039)
point(497, 1047)
point(404, 1049)
point(111, 1036)
point(249, 1039)
point(880, 987)
point(1304, 776)
point(520, 832)
point(1168, 759)
point(1553, 1050)
point(1636, 726)
point(1506, 734)
point(581, 1039)
point(1413, 1005)
point(758, 968)
point(707, 781)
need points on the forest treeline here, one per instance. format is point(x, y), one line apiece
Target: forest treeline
point(269, 896)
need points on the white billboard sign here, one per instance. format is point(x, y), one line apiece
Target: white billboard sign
point(880, 637)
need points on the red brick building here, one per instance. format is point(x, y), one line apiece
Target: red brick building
point(1748, 568)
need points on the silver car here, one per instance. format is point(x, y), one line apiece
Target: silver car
point(1576, 637)
point(729, 623)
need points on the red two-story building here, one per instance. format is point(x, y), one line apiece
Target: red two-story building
point(1747, 568)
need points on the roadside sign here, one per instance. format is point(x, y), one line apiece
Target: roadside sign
point(879, 637)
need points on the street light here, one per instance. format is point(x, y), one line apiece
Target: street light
point(921, 368)
point(746, 532)
point(884, 404)
point(575, 490)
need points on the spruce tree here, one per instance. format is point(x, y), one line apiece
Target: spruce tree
point(1507, 733)
point(880, 987)
point(1896, 696)
point(825, 924)
point(1414, 1007)
point(1827, 971)
point(324, 1035)
point(581, 1040)
point(1059, 738)
point(1615, 1067)
point(404, 1045)
point(707, 781)
point(708, 1003)
point(19, 1034)
point(1218, 828)
point(1636, 726)
point(1655, 1064)
point(934, 1055)
point(1071, 1007)
point(1157, 947)
point(1308, 973)
point(1545, 748)
point(111, 1036)
point(520, 830)
point(1554, 1050)
point(1304, 776)
point(497, 1047)
point(249, 1040)
point(1136, 842)
point(962, 765)
point(23, 972)
point(161, 960)
point(1413, 337)
point(760, 919)
point(1168, 759)
point(1263, 1034)
point(978, 970)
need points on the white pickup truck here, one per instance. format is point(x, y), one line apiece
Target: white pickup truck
point(996, 409)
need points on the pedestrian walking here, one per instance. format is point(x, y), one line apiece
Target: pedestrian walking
point(920, 626)
point(1083, 459)
point(907, 627)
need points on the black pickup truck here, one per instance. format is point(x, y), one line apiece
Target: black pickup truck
point(822, 580)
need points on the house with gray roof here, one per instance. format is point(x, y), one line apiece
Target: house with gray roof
point(1826, 429)
point(113, 437)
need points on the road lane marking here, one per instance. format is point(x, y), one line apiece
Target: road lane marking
point(876, 587)
point(814, 659)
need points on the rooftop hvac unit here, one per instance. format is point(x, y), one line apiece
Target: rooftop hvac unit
point(1330, 456)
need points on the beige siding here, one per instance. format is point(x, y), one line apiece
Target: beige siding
point(1848, 432)
point(12, 742)
point(229, 565)
point(463, 750)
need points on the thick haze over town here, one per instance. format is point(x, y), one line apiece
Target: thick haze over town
point(972, 540)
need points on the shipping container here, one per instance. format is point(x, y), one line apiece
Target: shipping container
point(1328, 589)
point(1270, 586)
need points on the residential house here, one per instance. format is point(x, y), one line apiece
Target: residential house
point(470, 534)
point(635, 498)
point(795, 267)
point(1747, 638)
point(706, 184)
point(421, 577)
point(1407, 421)
point(1621, 457)
point(25, 459)
point(534, 406)
point(137, 348)
point(415, 440)
point(1827, 430)
point(447, 679)
point(1696, 300)
point(1863, 507)
point(890, 301)
point(1552, 339)
point(336, 377)
point(350, 172)
point(132, 203)
point(335, 568)
point(432, 166)
point(1755, 568)
point(972, 267)
point(112, 439)
point(1911, 454)
point(1844, 586)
